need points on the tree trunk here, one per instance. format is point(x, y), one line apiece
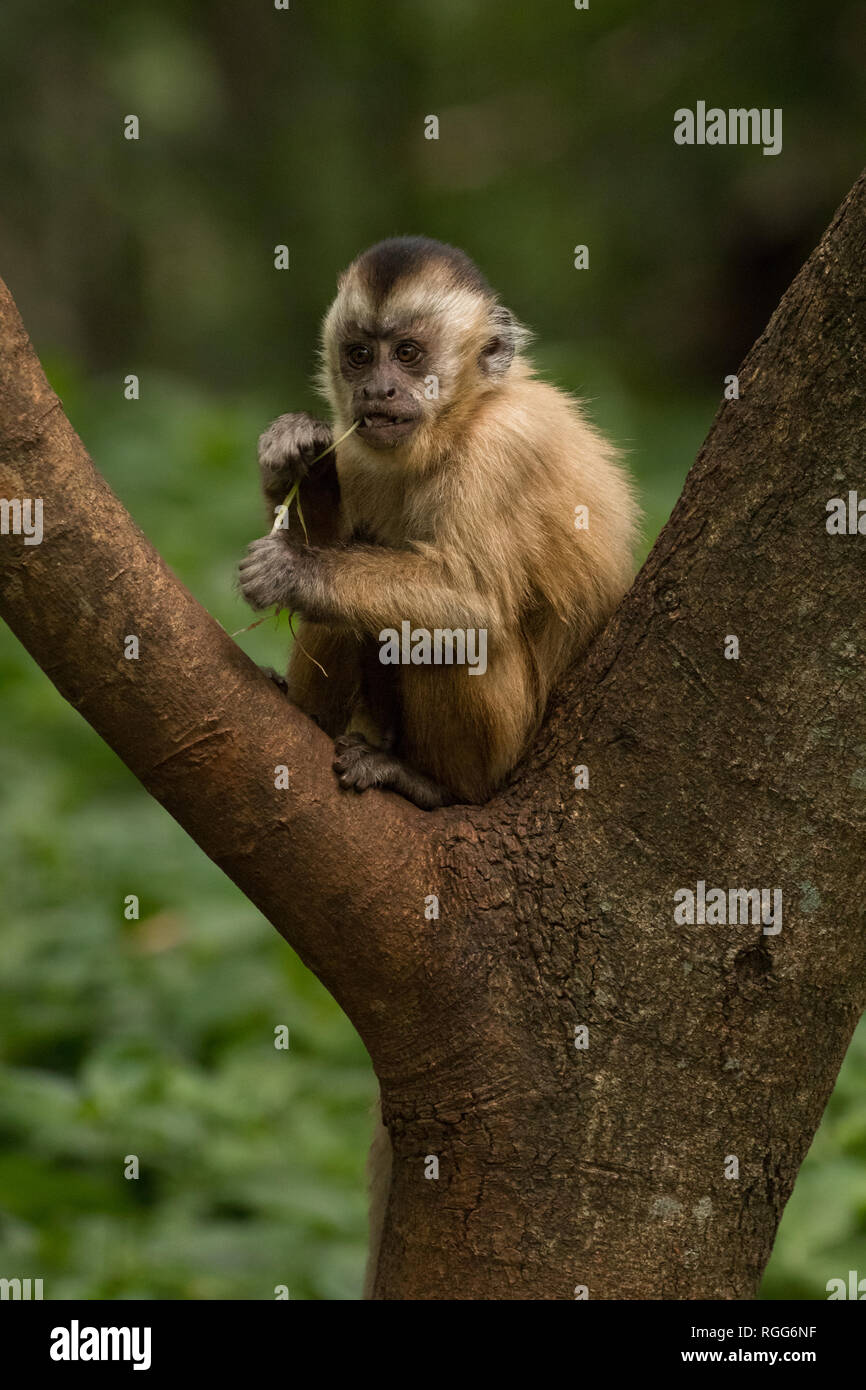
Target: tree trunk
point(655, 1161)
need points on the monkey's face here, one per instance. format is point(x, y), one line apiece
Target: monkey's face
point(383, 374)
point(412, 339)
point(394, 374)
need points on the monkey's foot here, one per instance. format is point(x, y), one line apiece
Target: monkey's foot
point(279, 681)
point(360, 766)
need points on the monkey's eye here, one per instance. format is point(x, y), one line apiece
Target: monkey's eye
point(407, 353)
point(360, 355)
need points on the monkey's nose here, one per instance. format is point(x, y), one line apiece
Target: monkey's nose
point(379, 394)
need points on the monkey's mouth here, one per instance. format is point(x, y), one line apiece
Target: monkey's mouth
point(383, 428)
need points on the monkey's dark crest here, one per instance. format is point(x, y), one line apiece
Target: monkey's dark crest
point(384, 264)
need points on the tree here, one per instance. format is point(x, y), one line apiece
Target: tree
point(617, 1099)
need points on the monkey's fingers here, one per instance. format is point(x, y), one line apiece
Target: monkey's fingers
point(266, 573)
point(359, 766)
point(345, 741)
point(289, 447)
point(257, 583)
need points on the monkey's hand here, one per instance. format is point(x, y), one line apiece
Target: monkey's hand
point(286, 450)
point(274, 571)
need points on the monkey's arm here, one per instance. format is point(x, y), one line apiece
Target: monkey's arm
point(366, 588)
point(287, 453)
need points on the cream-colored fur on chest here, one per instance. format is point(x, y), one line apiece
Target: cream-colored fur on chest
point(383, 501)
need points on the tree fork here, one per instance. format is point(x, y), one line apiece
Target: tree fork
point(712, 1049)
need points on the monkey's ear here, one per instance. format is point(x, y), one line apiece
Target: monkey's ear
point(508, 336)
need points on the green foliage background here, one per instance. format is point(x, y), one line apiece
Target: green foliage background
point(260, 127)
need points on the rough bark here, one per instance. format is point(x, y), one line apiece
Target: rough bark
point(559, 1167)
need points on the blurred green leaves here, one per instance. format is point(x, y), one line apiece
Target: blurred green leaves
point(155, 1037)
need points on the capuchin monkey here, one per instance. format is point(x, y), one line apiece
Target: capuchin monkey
point(472, 500)
point(470, 496)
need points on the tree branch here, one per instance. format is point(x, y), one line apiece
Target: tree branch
point(340, 876)
point(608, 1167)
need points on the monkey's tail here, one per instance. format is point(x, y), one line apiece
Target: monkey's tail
point(379, 1179)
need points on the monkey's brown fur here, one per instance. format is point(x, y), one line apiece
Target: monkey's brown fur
point(458, 514)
